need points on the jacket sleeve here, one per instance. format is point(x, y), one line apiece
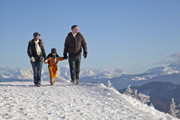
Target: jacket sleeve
point(84, 45)
point(60, 59)
point(29, 50)
point(49, 55)
point(66, 45)
point(48, 60)
point(57, 55)
point(43, 51)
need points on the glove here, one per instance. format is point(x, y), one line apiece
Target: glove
point(32, 59)
point(65, 57)
point(45, 61)
point(85, 54)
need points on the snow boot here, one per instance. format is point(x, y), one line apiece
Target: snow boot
point(72, 81)
point(76, 82)
point(52, 82)
point(38, 85)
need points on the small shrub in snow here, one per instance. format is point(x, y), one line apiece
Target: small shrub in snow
point(109, 85)
point(152, 105)
point(143, 98)
point(135, 95)
point(173, 107)
point(129, 91)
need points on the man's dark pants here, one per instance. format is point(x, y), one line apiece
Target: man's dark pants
point(37, 68)
point(74, 63)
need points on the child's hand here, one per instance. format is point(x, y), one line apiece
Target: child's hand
point(45, 61)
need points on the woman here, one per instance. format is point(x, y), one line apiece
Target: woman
point(36, 52)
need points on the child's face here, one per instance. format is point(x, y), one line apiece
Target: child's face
point(53, 54)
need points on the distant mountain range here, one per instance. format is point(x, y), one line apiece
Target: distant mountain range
point(63, 73)
point(170, 73)
point(117, 77)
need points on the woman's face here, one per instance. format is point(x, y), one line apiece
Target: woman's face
point(37, 37)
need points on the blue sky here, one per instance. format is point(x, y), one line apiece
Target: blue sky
point(133, 35)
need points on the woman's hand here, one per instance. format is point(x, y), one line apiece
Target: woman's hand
point(32, 59)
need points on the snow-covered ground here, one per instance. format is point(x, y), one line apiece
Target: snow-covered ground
point(23, 101)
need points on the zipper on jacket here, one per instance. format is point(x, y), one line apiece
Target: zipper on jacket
point(75, 45)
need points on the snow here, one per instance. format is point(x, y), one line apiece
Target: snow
point(167, 70)
point(136, 78)
point(24, 101)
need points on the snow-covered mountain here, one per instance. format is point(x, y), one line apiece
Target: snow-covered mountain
point(63, 73)
point(158, 71)
point(118, 78)
point(169, 73)
point(87, 101)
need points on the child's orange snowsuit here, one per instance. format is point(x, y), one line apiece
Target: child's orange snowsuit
point(53, 67)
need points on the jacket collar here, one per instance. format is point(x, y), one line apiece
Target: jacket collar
point(33, 41)
point(70, 34)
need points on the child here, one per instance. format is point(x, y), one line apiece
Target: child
point(52, 60)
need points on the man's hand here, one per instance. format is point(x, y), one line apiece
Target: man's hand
point(85, 54)
point(65, 57)
point(32, 59)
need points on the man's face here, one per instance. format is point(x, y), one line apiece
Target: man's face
point(37, 37)
point(75, 30)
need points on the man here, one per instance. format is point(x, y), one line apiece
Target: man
point(73, 45)
point(36, 53)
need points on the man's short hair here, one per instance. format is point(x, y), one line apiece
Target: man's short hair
point(73, 26)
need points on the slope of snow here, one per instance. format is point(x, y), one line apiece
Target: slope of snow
point(23, 101)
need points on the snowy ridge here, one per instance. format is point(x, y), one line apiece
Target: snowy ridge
point(118, 78)
point(21, 100)
point(63, 73)
point(164, 70)
point(158, 71)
